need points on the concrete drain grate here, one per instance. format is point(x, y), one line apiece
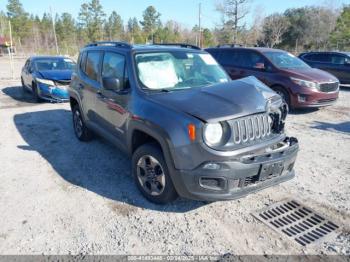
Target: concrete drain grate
point(296, 221)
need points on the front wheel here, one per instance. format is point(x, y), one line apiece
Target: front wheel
point(283, 93)
point(80, 129)
point(24, 88)
point(36, 93)
point(151, 174)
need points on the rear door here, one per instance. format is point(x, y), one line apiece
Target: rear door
point(252, 63)
point(112, 104)
point(89, 83)
point(227, 59)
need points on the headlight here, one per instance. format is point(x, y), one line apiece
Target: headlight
point(304, 83)
point(45, 81)
point(213, 133)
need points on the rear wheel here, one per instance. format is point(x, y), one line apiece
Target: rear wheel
point(151, 174)
point(80, 129)
point(283, 93)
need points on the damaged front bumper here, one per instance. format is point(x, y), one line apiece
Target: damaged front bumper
point(53, 93)
point(236, 178)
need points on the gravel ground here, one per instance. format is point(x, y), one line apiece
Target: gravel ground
point(61, 196)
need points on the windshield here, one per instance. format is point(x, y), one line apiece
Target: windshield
point(286, 60)
point(178, 70)
point(54, 64)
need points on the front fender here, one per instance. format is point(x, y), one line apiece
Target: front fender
point(154, 131)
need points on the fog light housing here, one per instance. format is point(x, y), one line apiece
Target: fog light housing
point(211, 166)
point(213, 183)
point(301, 98)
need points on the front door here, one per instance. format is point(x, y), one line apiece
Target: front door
point(112, 104)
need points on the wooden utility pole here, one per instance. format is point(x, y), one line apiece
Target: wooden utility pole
point(11, 50)
point(54, 31)
point(200, 25)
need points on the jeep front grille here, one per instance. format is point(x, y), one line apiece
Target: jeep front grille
point(250, 129)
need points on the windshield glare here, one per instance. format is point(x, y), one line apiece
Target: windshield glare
point(178, 70)
point(54, 64)
point(286, 60)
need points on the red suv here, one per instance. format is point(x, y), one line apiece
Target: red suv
point(298, 83)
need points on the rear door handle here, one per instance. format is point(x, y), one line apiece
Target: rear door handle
point(81, 86)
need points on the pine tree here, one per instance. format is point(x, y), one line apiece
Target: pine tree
point(92, 20)
point(151, 21)
point(19, 19)
point(114, 27)
point(341, 35)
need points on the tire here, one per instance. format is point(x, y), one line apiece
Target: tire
point(24, 88)
point(80, 129)
point(36, 93)
point(283, 93)
point(151, 174)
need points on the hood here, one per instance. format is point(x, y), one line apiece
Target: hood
point(311, 74)
point(55, 74)
point(221, 101)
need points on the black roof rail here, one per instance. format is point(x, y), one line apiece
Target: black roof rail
point(229, 45)
point(110, 43)
point(183, 45)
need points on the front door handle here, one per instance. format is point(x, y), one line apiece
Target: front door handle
point(100, 95)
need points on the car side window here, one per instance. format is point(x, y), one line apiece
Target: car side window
point(338, 59)
point(113, 65)
point(309, 57)
point(227, 57)
point(93, 64)
point(214, 53)
point(325, 58)
point(252, 60)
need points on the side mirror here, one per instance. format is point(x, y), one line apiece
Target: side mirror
point(260, 66)
point(112, 83)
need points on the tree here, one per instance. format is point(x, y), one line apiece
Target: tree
point(298, 31)
point(134, 31)
point(233, 12)
point(151, 21)
point(66, 32)
point(92, 20)
point(340, 37)
point(114, 26)
point(309, 27)
point(207, 38)
point(18, 18)
point(274, 26)
point(322, 23)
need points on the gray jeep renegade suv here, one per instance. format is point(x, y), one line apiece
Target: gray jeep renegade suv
point(190, 130)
